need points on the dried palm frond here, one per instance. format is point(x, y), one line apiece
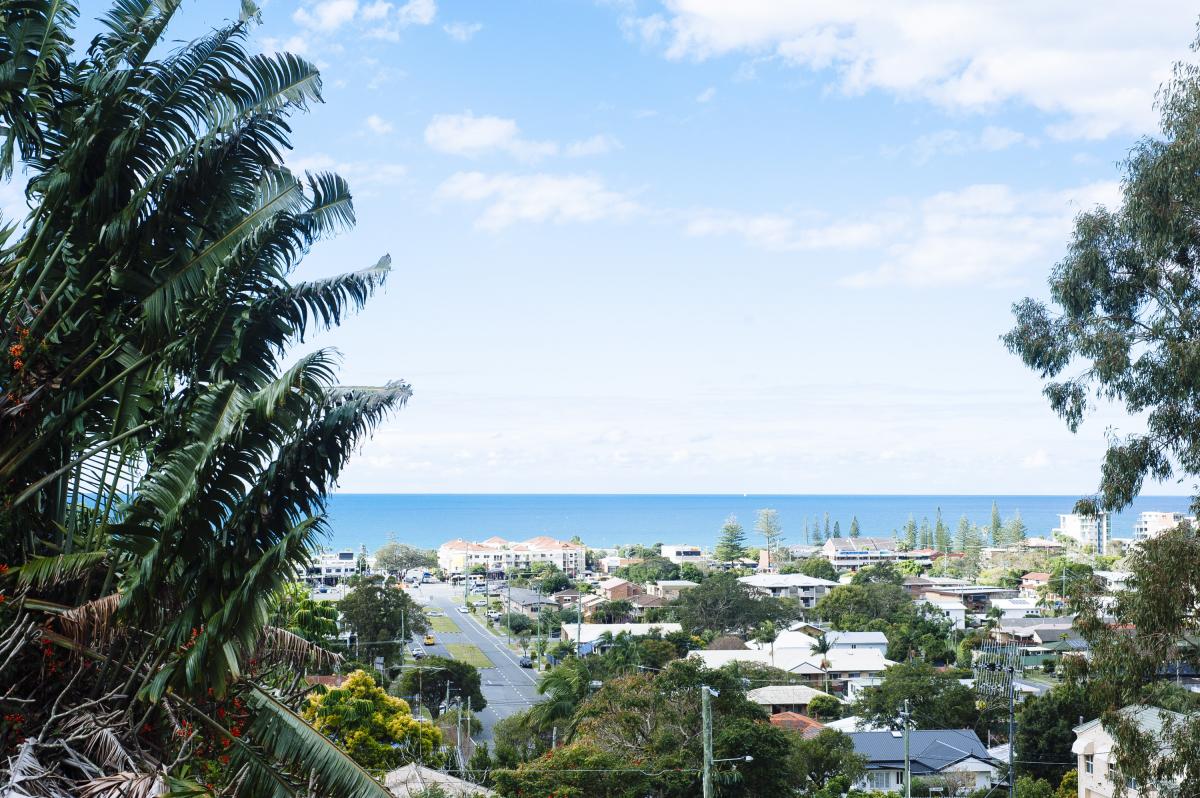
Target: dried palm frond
point(27, 778)
point(280, 646)
point(92, 623)
point(125, 784)
point(98, 739)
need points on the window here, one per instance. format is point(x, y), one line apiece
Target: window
point(878, 781)
point(1089, 763)
point(1131, 783)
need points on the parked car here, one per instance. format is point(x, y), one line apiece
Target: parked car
point(434, 613)
point(526, 662)
point(479, 603)
point(494, 615)
point(429, 641)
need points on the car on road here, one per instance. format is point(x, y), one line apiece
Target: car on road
point(463, 610)
point(434, 613)
point(418, 653)
point(526, 662)
point(429, 641)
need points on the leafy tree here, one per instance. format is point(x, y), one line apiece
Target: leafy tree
point(376, 729)
point(855, 530)
point(618, 611)
point(396, 558)
point(926, 534)
point(1069, 786)
point(1044, 728)
point(883, 573)
point(768, 527)
point(565, 688)
point(828, 534)
point(723, 604)
point(822, 759)
point(860, 607)
point(731, 545)
point(691, 573)
point(430, 678)
point(825, 707)
point(816, 567)
point(517, 622)
point(574, 770)
point(1030, 787)
point(806, 533)
point(996, 526)
point(477, 570)
point(299, 614)
point(935, 699)
point(653, 570)
point(376, 613)
point(910, 533)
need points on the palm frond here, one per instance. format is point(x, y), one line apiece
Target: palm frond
point(41, 572)
point(93, 623)
point(126, 784)
point(279, 646)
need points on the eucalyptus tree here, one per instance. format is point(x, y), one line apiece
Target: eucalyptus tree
point(163, 469)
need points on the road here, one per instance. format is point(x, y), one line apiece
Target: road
point(507, 686)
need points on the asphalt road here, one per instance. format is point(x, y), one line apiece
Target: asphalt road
point(507, 686)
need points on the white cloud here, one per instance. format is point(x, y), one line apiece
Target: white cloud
point(510, 199)
point(1095, 72)
point(980, 233)
point(360, 174)
point(376, 11)
point(378, 125)
point(326, 15)
point(957, 142)
point(596, 145)
point(706, 95)
point(462, 31)
point(417, 12)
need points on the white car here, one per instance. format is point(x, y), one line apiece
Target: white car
point(434, 613)
point(463, 610)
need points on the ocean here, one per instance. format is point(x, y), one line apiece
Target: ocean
point(428, 520)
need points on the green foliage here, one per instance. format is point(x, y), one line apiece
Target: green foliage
point(936, 699)
point(826, 760)
point(767, 525)
point(825, 707)
point(816, 567)
point(1069, 786)
point(376, 729)
point(941, 534)
point(652, 570)
point(396, 558)
point(430, 678)
point(722, 604)
point(517, 622)
point(574, 771)
point(855, 529)
point(298, 613)
point(884, 573)
point(1044, 728)
point(858, 607)
point(1030, 787)
point(996, 526)
point(731, 545)
point(910, 533)
point(376, 612)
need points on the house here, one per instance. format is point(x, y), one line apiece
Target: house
point(1113, 581)
point(834, 668)
point(778, 698)
point(1017, 608)
point(854, 553)
point(952, 610)
point(805, 726)
point(642, 602)
point(670, 589)
point(1098, 776)
point(977, 598)
point(612, 562)
point(414, 779)
point(806, 641)
point(917, 585)
point(956, 754)
point(527, 602)
point(727, 643)
point(618, 589)
point(807, 590)
point(588, 634)
point(1033, 584)
point(685, 554)
point(1027, 632)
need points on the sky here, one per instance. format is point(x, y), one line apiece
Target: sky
point(701, 246)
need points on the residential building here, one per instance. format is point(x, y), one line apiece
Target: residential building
point(805, 641)
point(956, 754)
point(589, 635)
point(1033, 582)
point(833, 668)
point(642, 602)
point(527, 602)
point(498, 555)
point(1026, 632)
point(777, 698)
point(334, 567)
point(854, 553)
point(807, 590)
point(1153, 523)
point(952, 610)
point(1098, 775)
point(1112, 581)
point(1018, 608)
point(803, 725)
point(670, 589)
point(977, 598)
point(685, 554)
point(609, 564)
point(618, 589)
point(918, 585)
point(1091, 532)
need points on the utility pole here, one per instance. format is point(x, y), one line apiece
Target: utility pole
point(579, 624)
point(706, 717)
point(907, 759)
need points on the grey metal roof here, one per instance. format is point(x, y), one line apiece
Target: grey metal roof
point(931, 750)
point(858, 638)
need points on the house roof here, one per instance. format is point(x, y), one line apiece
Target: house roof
point(794, 721)
point(646, 600)
point(727, 643)
point(863, 544)
point(783, 694)
point(777, 581)
point(1036, 576)
point(801, 660)
point(414, 779)
point(931, 750)
point(676, 583)
point(855, 638)
point(527, 598)
point(1149, 719)
point(612, 584)
point(590, 632)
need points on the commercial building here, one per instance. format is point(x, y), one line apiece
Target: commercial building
point(805, 589)
point(854, 553)
point(332, 568)
point(501, 556)
point(1091, 532)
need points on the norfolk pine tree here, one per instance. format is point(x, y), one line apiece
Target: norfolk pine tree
point(855, 530)
point(837, 529)
point(732, 543)
point(768, 526)
point(996, 527)
point(941, 533)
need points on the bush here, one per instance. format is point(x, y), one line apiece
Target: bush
point(825, 707)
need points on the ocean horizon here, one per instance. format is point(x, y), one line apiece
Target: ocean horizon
point(601, 520)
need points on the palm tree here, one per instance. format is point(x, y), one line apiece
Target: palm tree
point(162, 474)
point(768, 632)
point(822, 646)
point(566, 687)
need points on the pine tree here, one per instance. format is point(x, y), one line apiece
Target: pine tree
point(910, 532)
point(941, 534)
point(837, 529)
point(807, 539)
point(732, 543)
point(827, 533)
point(1015, 530)
point(996, 527)
point(926, 534)
point(962, 536)
point(854, 528)
point(768, 526)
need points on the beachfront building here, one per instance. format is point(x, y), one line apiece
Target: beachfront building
point(807, 590)
point(1153, 523)
point(854, 553)
point(334, 567)
point(498, 555)
point(680, 554)
point(1089, 531)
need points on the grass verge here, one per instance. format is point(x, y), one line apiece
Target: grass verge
point(443, 623)
point(469, 654)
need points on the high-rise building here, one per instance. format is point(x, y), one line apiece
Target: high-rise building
point(1089, 531)
point(1153, 523)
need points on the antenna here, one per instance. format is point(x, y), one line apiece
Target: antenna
point(996, 666)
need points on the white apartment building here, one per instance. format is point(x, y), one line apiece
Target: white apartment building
point(333, 567)
point(854, 553)
point(685, 554)
point(805, 589)
point(1089, 531)
point(499, 555)
point(1153, 523)
point(1098, 777)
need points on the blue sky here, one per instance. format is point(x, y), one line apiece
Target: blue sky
point(701, 246)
